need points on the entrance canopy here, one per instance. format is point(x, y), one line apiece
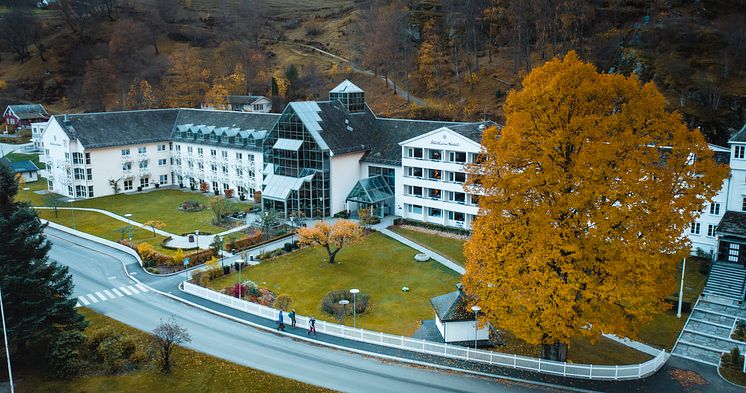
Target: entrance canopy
point(371, 191)
point(277, 187)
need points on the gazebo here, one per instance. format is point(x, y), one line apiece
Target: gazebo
point(373, 192)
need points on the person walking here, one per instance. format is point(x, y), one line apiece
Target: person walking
point(292, 318)
point(312, 326)
point(280, 323)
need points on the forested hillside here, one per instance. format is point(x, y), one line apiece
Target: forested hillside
point(449, 59)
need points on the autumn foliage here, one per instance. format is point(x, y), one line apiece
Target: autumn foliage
point(587, 191)
point(332, 237)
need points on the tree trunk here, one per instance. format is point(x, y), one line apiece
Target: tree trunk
point(332, 254)
point(556, 352)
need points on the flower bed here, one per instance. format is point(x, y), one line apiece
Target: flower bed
point(739, 333)
point(191, 206)
point(157, 262)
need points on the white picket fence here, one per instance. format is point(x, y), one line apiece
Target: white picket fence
point(587, 371)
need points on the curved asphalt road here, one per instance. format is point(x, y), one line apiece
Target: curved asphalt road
point(96, 268)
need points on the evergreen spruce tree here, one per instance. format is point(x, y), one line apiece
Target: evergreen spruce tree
point(36, 292)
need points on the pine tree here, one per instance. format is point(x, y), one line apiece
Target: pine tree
point(36, 292)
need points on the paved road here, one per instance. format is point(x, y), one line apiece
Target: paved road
point(96, 272)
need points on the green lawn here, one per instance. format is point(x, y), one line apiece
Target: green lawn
point(448, 247)
point(158, 205)
point(193, 372)
point(102, 226)
point(21, 157)
point(378, 266)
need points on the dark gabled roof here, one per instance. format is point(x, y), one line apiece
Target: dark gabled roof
point(119, 128)
point(29, 111)
point(740, 136)
point(21, 166)
point(244, 99)
point(230, 119)
point(733, 223)
point(452, 307)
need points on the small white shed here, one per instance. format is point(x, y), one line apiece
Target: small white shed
point(455, 320)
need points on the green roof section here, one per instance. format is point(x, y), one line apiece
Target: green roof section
point(370, 190)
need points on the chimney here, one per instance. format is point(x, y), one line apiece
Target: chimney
point(460, 286)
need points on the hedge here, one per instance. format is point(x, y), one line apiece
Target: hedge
point(242, 244)
point(427, 225)
point(195, 258)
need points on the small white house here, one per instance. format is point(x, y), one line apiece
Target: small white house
point(26, 169)
point(259, 104)
point(455, 320)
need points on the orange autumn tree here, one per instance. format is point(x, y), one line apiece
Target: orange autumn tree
point(331, 237)
point(586, 194)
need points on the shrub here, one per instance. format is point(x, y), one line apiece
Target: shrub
point(203, 187)
point(283, 302)
point(242, 244)
point(146, 251)
point(287, 247)
point(251, 288)
point(436, 227)
point(97, 336)
point(228, 193)
point(330, 303)
point(63, 355)
point(266, 297)
point(111, 353)
point(739, 333)
point(191, 206)
point(238, 289)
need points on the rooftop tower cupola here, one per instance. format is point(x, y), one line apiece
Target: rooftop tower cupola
point(351, 96)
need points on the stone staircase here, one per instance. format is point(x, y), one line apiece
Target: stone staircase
point(706, 335)
point(726, 280)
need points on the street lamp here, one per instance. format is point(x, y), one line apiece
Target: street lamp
point(71, 200)
point(476, 310)
point(354, 292)
point(292, 227)
point(196, 233)
point(26, 189)
point(129, 228)
point(240, 264)
point(5, 335)
point(681, 289)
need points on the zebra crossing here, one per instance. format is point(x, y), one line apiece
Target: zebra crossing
point(110, 294)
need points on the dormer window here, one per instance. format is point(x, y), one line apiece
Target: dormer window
point(351, 96)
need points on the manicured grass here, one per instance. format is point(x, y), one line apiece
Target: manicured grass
point(22, 157)
point(378, 266)
point(193, 372)
point(448, 247)
point(102, 226)
point(158, 205)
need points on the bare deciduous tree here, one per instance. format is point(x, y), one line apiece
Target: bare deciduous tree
point(165, 338)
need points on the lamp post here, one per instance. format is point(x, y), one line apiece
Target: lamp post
point(26, 189)
point(196, 234)
point(344, 303)
point(681, 288)
point(71, 200)
point(354, 292)
point(476, 310)
point(292, 227)
point(129, 228)
point(5, 336)
point(240, 264)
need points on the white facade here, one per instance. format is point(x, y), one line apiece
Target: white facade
point(37, 130)
point(345, 169)
point(77, 172)
point(461, 331)
point(433, 178)
point(221, 167)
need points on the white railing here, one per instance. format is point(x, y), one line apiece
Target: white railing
point(587, 371)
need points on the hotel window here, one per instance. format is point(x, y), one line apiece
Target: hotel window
point(67, 155)
point(225, 186)
point(214, 185)
point(127, 166)
point(142, 149)
point(416, 172)
point(77, 158)
point(144, 182)
point(743, 204)
point(178, 147)
point(163, 179)
point(89, 174)
point(435, 154)
point(415, 191)
point(224, 154)
point(258, 107)
point(90, 191)
point(178, 162)
point(710, 230)
point(225, 169)
point(458, 197)
point(433, 193)
point(88, 158)
point(161, 147)
point(239, 172)
point(475, 199)
point(694, 229)
point(416, 209)
point(199, 151)
point(239, 156)
point(715, 208)
point(80, 191)
point(415, 152)
point(162, 162)
point(214, 168)
point(433, 212)
point(433, 174)
point(733, 252)
point(128, 185)
point(200, 166)
point(189, 149)
point(190, 164)
point(740, 152)
point(213, 152)
point(79, 173)
point(456, 216)
point(143, 164)
point(458, 177)
point(457, 156)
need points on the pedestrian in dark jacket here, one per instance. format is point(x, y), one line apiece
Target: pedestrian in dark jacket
point(292, 318)
point(312, 326)
point(280, 322)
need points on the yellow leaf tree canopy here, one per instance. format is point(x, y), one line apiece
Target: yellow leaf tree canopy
point(588, 190)
point(332, 237)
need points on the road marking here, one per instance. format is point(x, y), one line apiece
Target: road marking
point(82, 300)
point(117, 292)
point(100, 295)
point(77, 305)
point(109, 294)
point(133, 289)
point(142, 287)
point(124, 289)
point(133, 273)
point(92, 298)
